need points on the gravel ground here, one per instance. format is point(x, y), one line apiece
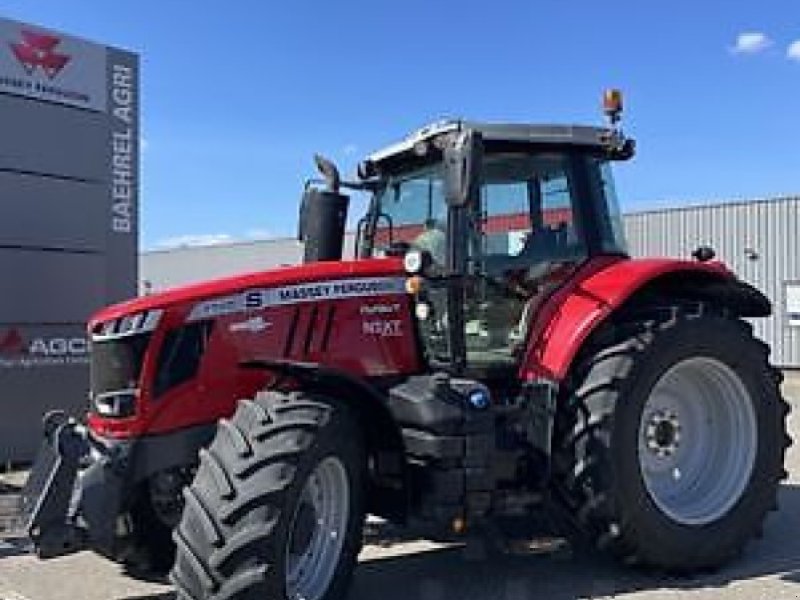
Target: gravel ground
point(769, 569)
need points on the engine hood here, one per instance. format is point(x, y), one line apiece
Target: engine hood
point(283, 276)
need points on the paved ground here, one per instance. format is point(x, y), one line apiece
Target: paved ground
point(770, 568)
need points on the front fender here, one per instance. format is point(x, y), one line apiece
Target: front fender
point(369, 403)
point(381, 432)
point(603, 285)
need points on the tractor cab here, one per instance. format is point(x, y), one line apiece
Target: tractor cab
point(490, 219)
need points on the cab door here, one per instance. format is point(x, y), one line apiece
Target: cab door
point(527, 240)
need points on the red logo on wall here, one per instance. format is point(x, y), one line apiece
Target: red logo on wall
point(12, 343)
point(38, 51)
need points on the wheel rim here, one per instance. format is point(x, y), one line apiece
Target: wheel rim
point(697, 441)
point(317, 531)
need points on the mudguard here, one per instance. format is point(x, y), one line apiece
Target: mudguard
point(603, 285)
point(368, 401)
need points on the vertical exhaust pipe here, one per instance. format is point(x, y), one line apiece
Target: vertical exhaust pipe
point(323, 215)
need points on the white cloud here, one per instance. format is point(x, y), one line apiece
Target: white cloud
point(350, 149)
point(793, 51)
point(201, 239)
point(751, 42)
point(144, 144)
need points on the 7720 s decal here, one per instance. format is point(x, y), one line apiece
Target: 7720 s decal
point(257, 298)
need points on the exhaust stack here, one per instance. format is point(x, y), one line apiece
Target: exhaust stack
point(323, 214)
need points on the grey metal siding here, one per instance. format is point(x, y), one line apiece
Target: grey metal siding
point(757, 239)
point(50, 139)
point(42, 212)
point(51, 286)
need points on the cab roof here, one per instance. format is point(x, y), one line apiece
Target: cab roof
point(601, 138)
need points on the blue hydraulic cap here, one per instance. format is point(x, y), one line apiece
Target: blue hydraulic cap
point(479, 398)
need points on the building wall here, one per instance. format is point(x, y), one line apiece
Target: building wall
point(758, 240)
point(162, 269)
point(68, 216)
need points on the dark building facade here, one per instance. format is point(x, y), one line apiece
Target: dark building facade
point(69, 186)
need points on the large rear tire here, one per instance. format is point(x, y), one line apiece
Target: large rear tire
point(673, 440)
point(276, 509)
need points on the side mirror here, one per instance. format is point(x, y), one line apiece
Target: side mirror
point(462, 162)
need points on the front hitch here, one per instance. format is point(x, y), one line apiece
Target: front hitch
point(45, 502)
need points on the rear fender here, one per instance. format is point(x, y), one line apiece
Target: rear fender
point(381, 433)
point(604, 286)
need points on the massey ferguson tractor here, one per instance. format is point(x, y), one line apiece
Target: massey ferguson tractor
point(491, 362)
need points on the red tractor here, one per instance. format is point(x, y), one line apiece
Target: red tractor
point(491, 362)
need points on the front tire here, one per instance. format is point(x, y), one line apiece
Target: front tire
point(674, 439)
point(152, 550)
point(276, 509)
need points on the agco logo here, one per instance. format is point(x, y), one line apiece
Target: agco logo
point(12, 343)
point(38, 51)
point(16, 350)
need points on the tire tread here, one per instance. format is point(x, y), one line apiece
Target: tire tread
point(586, 479)
point(228, 537)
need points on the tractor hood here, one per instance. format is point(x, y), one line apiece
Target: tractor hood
point(284, 276)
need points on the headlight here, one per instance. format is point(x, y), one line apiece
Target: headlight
point(422, 311)
point(116, 404)
point(413, 261)
point(417, 261)
point(142, 322)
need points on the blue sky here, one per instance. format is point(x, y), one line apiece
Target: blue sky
point(237, 96)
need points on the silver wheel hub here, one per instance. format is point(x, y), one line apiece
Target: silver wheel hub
point(697, 441)
point(317, 531)
point(663, 433)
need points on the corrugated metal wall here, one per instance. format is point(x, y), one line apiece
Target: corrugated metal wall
point(759, 240)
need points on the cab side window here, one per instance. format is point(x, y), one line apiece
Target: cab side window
point(527, 213)
point(506, 219)
point(529, 243)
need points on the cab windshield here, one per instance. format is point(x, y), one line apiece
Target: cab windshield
point(411, 210)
